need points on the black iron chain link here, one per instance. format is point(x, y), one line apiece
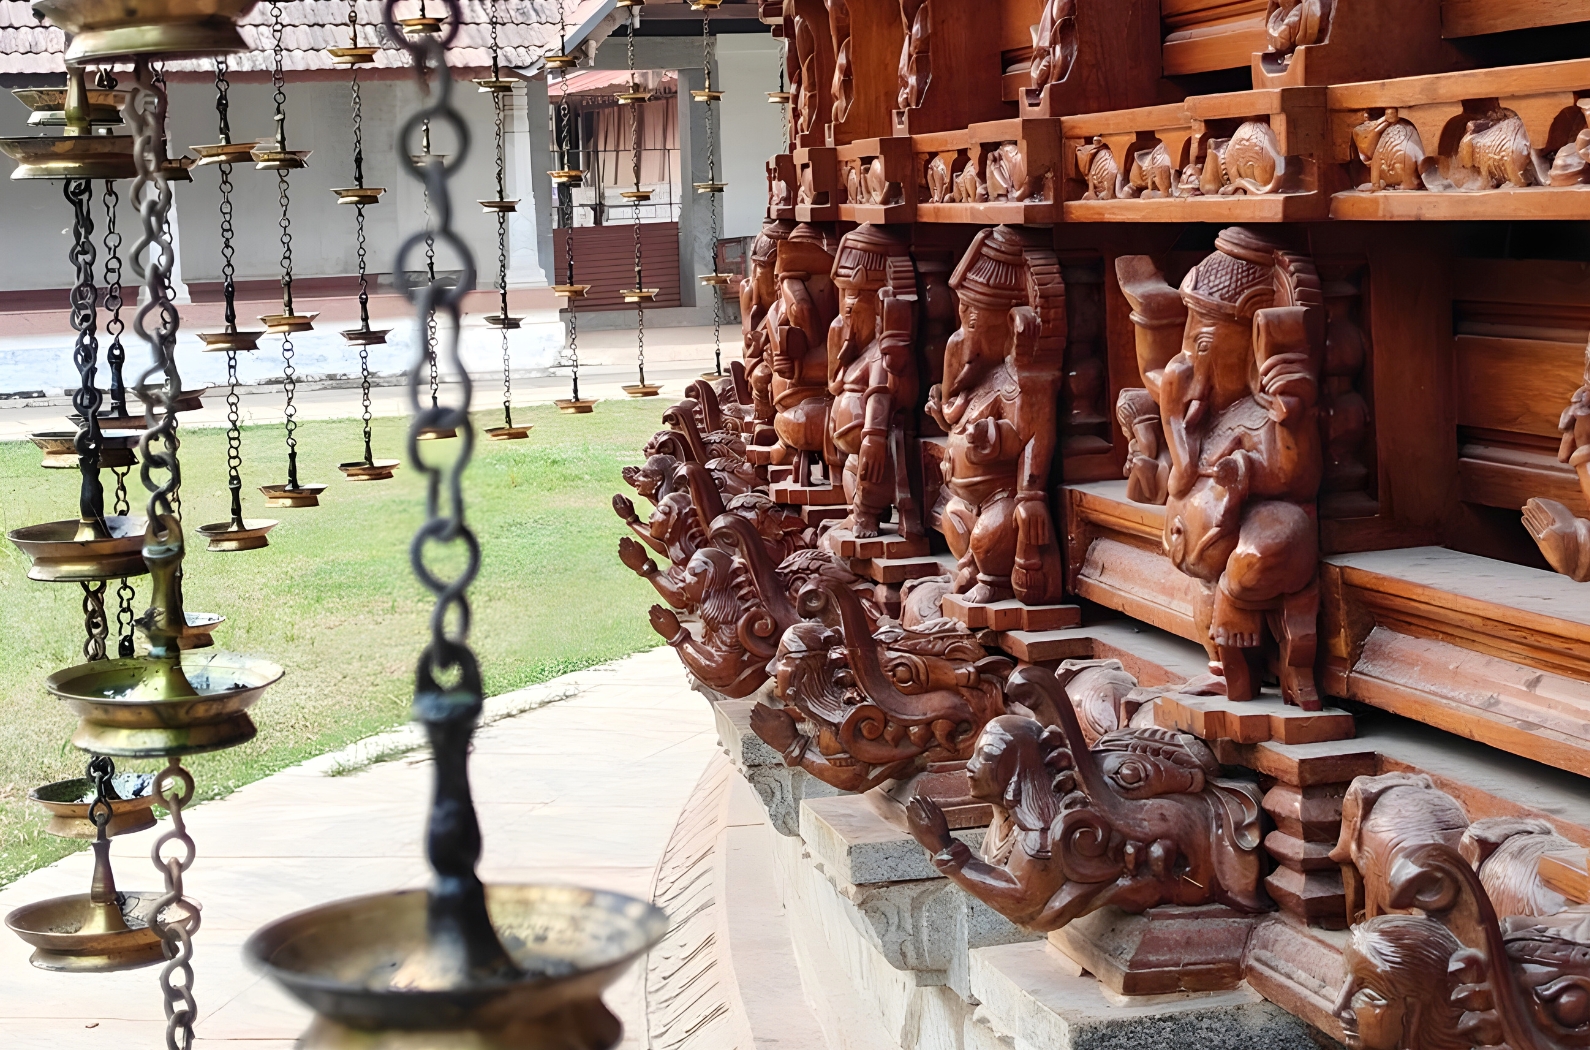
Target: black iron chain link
point(234, 434)
point(708, 56)
point(566, 200)
point(289, 372)
point(356, 103)
point(96, 628)
point(634, 146)
point(499, 103)
point(87, 400)
point(115, 354)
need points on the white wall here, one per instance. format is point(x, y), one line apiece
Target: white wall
point(751, 132)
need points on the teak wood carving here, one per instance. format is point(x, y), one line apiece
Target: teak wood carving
point(1140, 819)
point(1563, 536)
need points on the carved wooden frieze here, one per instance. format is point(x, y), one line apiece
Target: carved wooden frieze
point(1002, 171)
point(879, 184)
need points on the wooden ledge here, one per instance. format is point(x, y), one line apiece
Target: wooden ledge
point(1491, 651)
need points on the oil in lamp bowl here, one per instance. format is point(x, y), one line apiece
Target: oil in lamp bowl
point(70, 156)
point(55, 929)
point(225, 537)
point(365, 195)
point(67, 552)
point(576, 406)
point(348, 962)
point(60, 448)
point(67, 802)
point(643, 389)
point(49, 106)
point(282, 496)
point(145, 707)
point(513, 433)
point(101, 30)
point(374, 470)
point(225, 153)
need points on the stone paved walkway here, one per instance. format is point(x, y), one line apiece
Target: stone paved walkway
point(584, 790)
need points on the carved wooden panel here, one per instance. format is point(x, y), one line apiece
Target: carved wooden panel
point(1004, 171)
point(877, 181)
point(1206, 35)
point(1487, 144)
point(1461, 18)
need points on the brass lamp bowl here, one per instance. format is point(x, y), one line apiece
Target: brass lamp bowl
point(436, 433)
point(637, 196)
point(718, 279)
point(49, 106)
point(214, 342)
point(781, 98)
point(708, 95)
point(144, 707)
point(348, 962)
point(498, 205)
point(101, 30)
point(178, 169)
point(567, 176)
point(643, 389)
point(570, 291)
point(560, 61)
point(374, 470)
point(639, 295)
point(67, 802)
point(352, 56)
point(198, 630)
point(495, 86)
point(270, 157)
point(224, 536)
point(134, 418)
point(365, 195)
point(503, 321)
point(421, 26)
point(513, 433)
point(711, 187)
point(366, 336)
point(56, 930)
point(70, 156)
point(287, 324)
point(60, 448)
point(225, 153)
point(70, 552)
point(575, 406)
point(282, 496)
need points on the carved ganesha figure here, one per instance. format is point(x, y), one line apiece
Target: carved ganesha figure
point(998, 403)
point(797, 326)
point(877, 706)
point(872, 376)
point(1139, 820)
point(757, 295)
point(1490, 957)
point(1238, 408)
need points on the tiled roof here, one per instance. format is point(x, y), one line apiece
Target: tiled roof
point(527, 29)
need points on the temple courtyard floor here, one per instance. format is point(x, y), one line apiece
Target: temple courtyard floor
point(579, 780)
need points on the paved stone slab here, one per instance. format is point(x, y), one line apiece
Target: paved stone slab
point(586, 790)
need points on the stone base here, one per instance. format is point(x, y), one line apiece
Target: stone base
point(887, 544)
point(1011, 615)
point(1299, 968)
point(808, 495)
point(781, 788)
point(1161, 951)
point(1033, 998)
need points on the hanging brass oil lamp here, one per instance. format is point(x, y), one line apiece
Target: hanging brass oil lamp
point(459, 965)
point(103, 930)
point(501, 90)
point(710, 97)
point(82, 151)
point(567, 178)
point(640, 295)
point(60, 448)
point(109, 30)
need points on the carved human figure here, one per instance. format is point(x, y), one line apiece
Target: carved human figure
point(1140, 820)
point(672, 531)
point(653, 479)
point(880, 707)
point(998, 403)
point(1397, 995)
point(737, 636)
point(1054, 44)
point(1563, 537)
point(916, 53)
point(757, 295)
point(1291, 24)
point(1390, 147)
point(798, 325)
point(872, 375)
point(1239, 413)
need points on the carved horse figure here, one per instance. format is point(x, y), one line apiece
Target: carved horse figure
point(1139, 820)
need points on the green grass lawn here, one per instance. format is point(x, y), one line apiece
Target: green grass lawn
point(333, 599)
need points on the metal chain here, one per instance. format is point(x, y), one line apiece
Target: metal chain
point(566, 202)
point(124, 590)
point(289, 372)
point(234, 434)
point(115, 354)
point(356, 103)
point(499, 101)
point(87, 399)
point(175, 919)
point(153, 259)
point(708, 55)
point(456, 910)
point(96, 629)
point(634, 145)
